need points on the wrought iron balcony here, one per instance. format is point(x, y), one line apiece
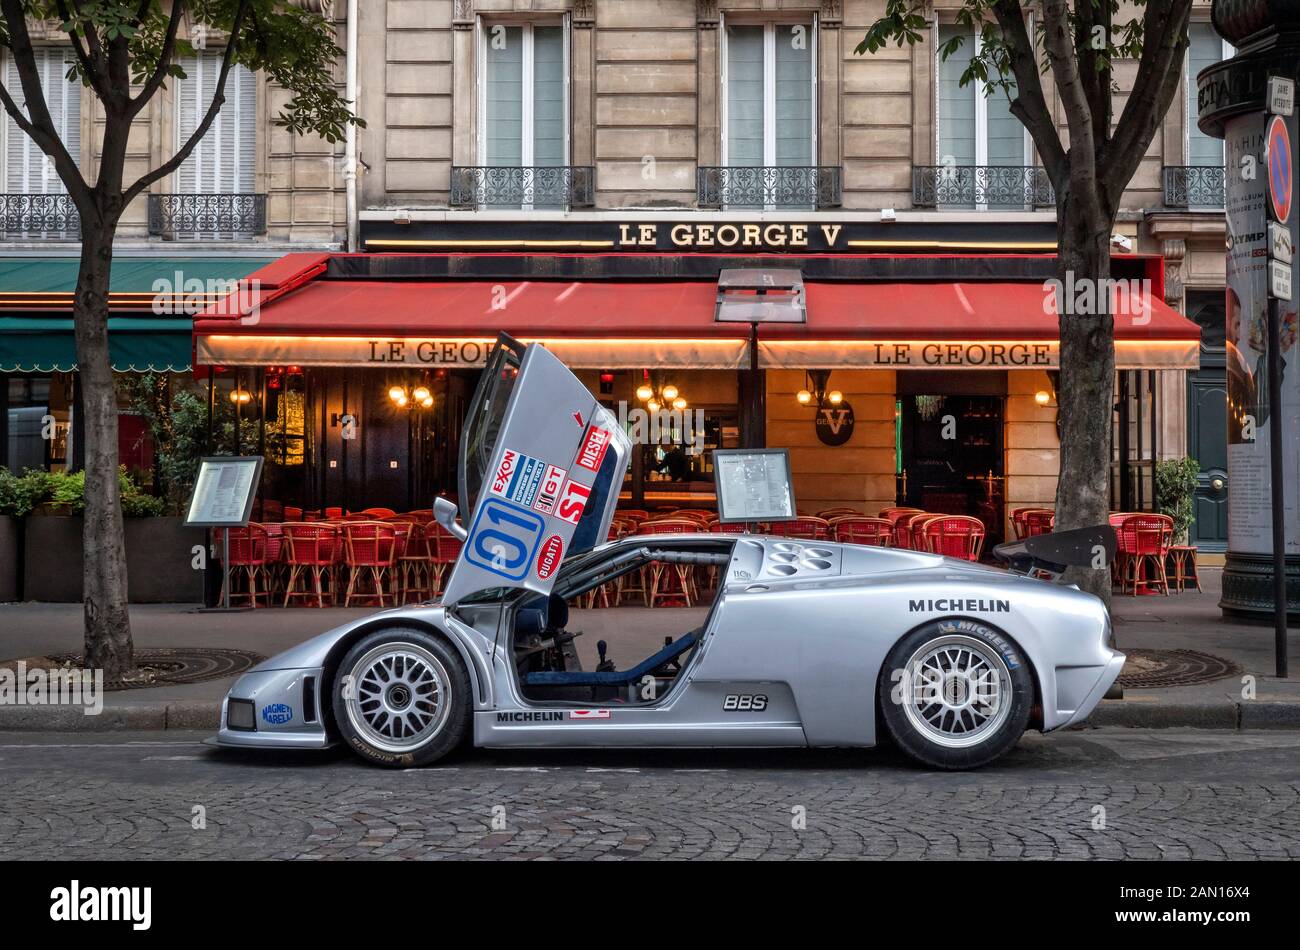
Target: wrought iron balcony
point(52, 217)
point(215, 216)
point(1194, 186)
point(993, 187)
point(523, 186)
point(768, 186)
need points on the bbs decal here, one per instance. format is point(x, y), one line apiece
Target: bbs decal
point(744, 702)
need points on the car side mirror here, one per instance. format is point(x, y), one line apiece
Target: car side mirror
point(444, 512)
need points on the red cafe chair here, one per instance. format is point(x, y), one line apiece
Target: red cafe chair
point(370, 552)
point(958, 536)
point(859, 529)
point(661, 582)
point(247, 558)
point(841, 512)
point(1039, 521)
point(311, 549)
point(807, 528)
point(903, 527)
point(444, 549)
point(1146, 538)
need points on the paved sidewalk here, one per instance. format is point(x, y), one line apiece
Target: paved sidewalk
point(1183, 621)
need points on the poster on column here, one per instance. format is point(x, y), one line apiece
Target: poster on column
point(1246, 203)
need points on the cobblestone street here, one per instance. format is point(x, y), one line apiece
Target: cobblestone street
point(1086, 794)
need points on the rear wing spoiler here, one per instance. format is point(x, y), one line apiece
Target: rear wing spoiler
point(1053, 553)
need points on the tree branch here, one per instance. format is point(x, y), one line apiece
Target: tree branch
point(1154, 86)
point(1094, 64)
point(1078, 115)
point(1030, 105)
point(155, 81)
point(92, 67)
point(37, 123)
point(218, 99)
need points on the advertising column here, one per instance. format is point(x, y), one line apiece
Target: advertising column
point(1262, 232)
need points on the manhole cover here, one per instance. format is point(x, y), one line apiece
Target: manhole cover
point(1151, 669)
point(177, 665)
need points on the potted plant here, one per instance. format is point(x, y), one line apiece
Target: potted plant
point(1175, 491)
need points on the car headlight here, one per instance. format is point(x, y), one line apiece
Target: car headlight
point(240, 715)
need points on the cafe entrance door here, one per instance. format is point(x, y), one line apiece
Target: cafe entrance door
point(950, 446)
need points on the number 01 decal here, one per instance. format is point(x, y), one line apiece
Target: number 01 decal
point(504, 539)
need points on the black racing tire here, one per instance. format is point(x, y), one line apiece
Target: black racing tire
point(955, 694)
point(402, 698)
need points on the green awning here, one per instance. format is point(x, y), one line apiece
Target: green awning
point(42, 341)
point(45, 344)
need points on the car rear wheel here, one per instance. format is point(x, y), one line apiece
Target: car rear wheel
point(402, 698)
point(955, 694)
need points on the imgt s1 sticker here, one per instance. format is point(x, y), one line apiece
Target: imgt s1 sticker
point(573, 501)
point(504, 539)
point(551, 555)
point(548, 493)
point(518, 477)
point(592, 451)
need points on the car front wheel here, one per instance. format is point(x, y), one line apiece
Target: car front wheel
point(402, 698)
point(956, 694)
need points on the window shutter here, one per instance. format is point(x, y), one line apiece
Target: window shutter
point(548, 95)
point(744, 95)
point(27, 168)
point(794, 66)
point(956, 105)
point(225, 159)
point(1206, 49)
point(505, 91)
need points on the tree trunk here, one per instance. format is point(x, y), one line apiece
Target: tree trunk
point(1086, 391)
point(107, 621)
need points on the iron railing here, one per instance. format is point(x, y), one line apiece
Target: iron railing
point(39, 216)
point(219, 216)
point(523, 186)
point(768, 186)
point(995, 187)
point(1194, 186)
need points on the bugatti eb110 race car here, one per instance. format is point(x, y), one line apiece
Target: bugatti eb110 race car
point(804, 643)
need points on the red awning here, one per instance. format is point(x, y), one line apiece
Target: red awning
point(597, 323)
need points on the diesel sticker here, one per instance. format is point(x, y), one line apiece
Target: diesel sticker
point(548, 492)
point(592, 452)
point(518, 477)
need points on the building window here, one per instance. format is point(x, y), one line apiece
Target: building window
point(225, 159)
point(35, 197)
point(770, 95)
point(1206, 48)
point(982, 149)
point(973, 129)
point(525, 87)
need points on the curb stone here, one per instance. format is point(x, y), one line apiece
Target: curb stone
point(206, 715)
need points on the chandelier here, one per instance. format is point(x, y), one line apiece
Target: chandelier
point(657, 397)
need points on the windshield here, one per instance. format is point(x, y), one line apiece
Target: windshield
point(486, 412)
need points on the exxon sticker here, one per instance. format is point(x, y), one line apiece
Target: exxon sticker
point(277, 714)
point(518, 477)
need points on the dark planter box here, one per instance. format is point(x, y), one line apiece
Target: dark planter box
point(159, 556)
point(9, 528)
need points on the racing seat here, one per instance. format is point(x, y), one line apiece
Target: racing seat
point(614, 677)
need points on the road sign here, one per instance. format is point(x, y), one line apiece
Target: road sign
point(1280, 179)
point(1279, 242)
point(1281, 95)
point(1279, 280)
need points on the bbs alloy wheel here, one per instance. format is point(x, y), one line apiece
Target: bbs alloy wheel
point(955, 694)
point(401, 697)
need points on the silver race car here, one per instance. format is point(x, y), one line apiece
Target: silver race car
point(803, 644)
